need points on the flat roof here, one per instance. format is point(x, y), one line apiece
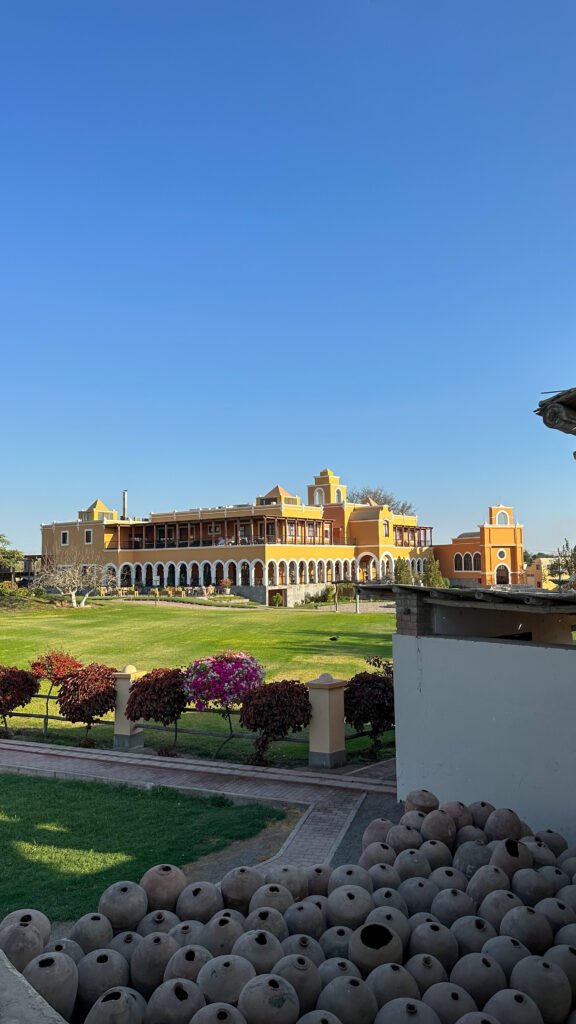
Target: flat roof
point(563, 603)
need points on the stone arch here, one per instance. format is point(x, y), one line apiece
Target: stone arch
point(458, 562)
point(467, 562)
point(272, 573)
point(502, 519)
point(321, 571)
point(232, 573)
point(111, 572)
point(338, 496)
point(182, 574)
point(302, 572)
point(194, 574)
point(137, 575)
point(312, 574)
point(293, 573)
point(282, 573)
point(502, 575)
point(337, 571)
point(258, 578)
point(354, 570)
point(477, 562)
point(159, 572)
point(170, 575)
point(346, 568)
point(148, 575)
point(126, 575)
point(319, 496)
point(218, 573)
point(245, 574)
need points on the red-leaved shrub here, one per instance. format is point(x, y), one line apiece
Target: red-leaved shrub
point(87, 693)
point(158, 696)
point(369, 700)
point(17, 688)
point(274, 710)
point(54, 666)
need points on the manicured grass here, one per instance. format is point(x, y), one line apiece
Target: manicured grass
point(63, 843)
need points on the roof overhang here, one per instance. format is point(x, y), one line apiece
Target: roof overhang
point(542, 602)
point(559, 411)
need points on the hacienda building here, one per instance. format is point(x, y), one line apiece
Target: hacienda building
point(277, 545)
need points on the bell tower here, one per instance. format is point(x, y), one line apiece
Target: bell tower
point(326, 489)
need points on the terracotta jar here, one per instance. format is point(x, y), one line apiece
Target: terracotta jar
point(306, 946)
point(449, 878)
point(223, 978)
point(377, 853)
point(558, 913)
point(511, 856)
point(506, 951)
point(405, 837)
point(418, 894)
point(485, 880)
point(274, 895)
point(269, 999)
point(92, 931)
point(350, 999)
point(426, 970)
point(349, 905)
point(98, 971)
point(350, 874)
point(305, 917)
point(21, 943)
point(558, 880)
point(375, 944)
point(514, 1007)
point(157, 921)
point(545, 983)
point(125, 943)
point(437, 854)
point(480, 811)
point(318, 879)
point(337, 967)
point(319, 1017)
point(187, 933)
point(480, 975)
point(565, 957)
point(470, 834)
point(149, 961)
point(335, 941)
point(269, 919)
point(394, 919)
point(261, 948)
point(423, 918)
point(220, 934)
point(566, 936)
point(124, 904)
point(450, 904)
point(412, 864)
point(304, 977)
point(384, 876)
point(218, 1013)
point(187, 962)
point(292, 877)
point(439, 825)
point(392, 981)
point(437, 941)
point(55, 978)
point(496, 905)
point(238, 887)
point(478, 1017)
point(541, 853)
point(67, 946)
point(376, 831)
point(529, 927)
point(554, 841)
point(413, 818)
point(390, 897)
point(199, 901)
point(119, 1005)
point(407, 1011)
point(503, 823)
point(421, 800)
point(28, 916)
point(470, 856)
point(471, 933)
point(449, 1001)
point(163, 884)
point(174, 1002)
point(531, 887)
point(461, 815)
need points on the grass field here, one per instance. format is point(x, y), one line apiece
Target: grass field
point(63, 843)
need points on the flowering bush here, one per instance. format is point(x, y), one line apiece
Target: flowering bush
point(17, 687)
point(369, 699)
point(159, 696)
point(222, 680)
point(273, 711)
point(54, 666)
point(88, 693)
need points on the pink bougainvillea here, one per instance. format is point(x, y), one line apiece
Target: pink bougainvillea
point(222, 681)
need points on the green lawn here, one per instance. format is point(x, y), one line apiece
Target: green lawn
point(63, 843)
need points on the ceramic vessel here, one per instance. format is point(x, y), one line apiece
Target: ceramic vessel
point(261, 948)
point(124, 904)
point(149, 961)
point(392, 981)
point(98, 971)
point(238, 887)
point(125, 943)
point(480, 975)
point(92, 931)
point(174, 1002)
point(163, 884)
point(350, 999)
point(545, 983)
point(269, 999)
point(157, 921)
point(349, 905)
point(55, 978)
point(304, 977)
point(28, 916)
point(21, 943)
point(407, 1011)
point(186, 962)
point(223, 978)
point(449, 1001)
point(426, 970)
point(199, 901)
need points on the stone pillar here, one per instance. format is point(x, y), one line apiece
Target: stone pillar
point(327, 748)
point(127, 735)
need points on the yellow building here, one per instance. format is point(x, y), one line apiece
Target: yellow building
point(491, 555)
point(277, 544)
point(538, 574)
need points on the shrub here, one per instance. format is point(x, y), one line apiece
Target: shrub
point(17, 688)
point(273, 711)
point(278, 600)
point(86, 694)
point(158, 696)
point(226, 582)
point(54, 666)
point(369, 700)
point(402, 571)
point(222, 680)
point(346, 591)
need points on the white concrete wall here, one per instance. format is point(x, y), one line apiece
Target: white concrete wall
point(489, 720)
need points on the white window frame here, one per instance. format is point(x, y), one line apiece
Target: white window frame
point(64, 543)
point(86, 532)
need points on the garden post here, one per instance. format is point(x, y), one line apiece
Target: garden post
point(327, 748)
point(127, 735)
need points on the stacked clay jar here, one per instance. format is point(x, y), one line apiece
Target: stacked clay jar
point(456, 915)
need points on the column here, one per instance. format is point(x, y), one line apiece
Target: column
point(127, 735)
point(327, 748)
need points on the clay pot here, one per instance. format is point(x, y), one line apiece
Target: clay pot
point(307, 918)
point(350, 874)
point(261, 948)
point(496, 905)
point(413, 818)
point(558, 913)
point(421, 800)
point(485, 880)
point(55, 978)
point(124, 904)
point(541, 853)
point(349, 905)
point(511, 856)
point(238, 887)
point(426, 970)
point(437, 941)
point(174, 1002)
point(404, 837)
point(218, 1013)
point(449, 1001)
point(318, 879)
point(568, 866)
point(292, 877)
point(514, 1007)
point(459, 812)
point(270, 920)
point(187, 962)
point(377, 853)
point(305, 946)
point(418, 893)
point(337, 967)
point(163, 884)
point(92, 931)
point(28, 916)
point(554, 841)
point(21, 943)
point(471, 933)
point(480, 811)
point(394, 919)
point(471, 856)
point(407, 1011)
point(319, 1017)
point(269, 999)
point(304, 977)
point(223, 978)
point(565, 957)
point(119, 1005)
point(531, 887)
point(450, 904)
point(412, 864)
point(375, 944)
point(558, 880)
point(567, 893)
point(506, 951)
point(478, 1017)
point(376, 832)
point(273, 895)
point(480, 975)
point(390, 898)
point(392, 981)
point(98, 971)
point(546, 983)
point(125, 943)
point(469, 834)
point(424, 918)
point(566, 855)
point(335, 941)
point(437, 854)
point(199, 901)
point(149, 961)
point(449, 878)
point(220, 934)
point(67, 946)
point(566, 936)
point(439, 825)
point(187, 933)
point(350, 999)
point(157, 921)
point(384, 876)
point(533, 930)
point(503, 823)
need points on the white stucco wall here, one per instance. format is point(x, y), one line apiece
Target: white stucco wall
point(489, 720)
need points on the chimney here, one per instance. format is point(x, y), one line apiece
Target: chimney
point(124, 504)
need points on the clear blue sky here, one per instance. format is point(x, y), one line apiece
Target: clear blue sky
point(242, 240)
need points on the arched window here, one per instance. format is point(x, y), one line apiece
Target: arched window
point(458, 563)
point(477, 562)
point(386, 528)
point(338, 495)
point(318, 496)
point(502, 575)
point(502, 519)
point(467, 563)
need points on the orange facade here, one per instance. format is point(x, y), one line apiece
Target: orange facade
point(491, 555)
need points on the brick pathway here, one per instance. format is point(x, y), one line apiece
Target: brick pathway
point(330, 802)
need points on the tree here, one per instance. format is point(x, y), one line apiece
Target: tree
point(17, 688)
point(158, 696)
point(55, 666)
point(563, 569)
point(360, 495)
point(402, 571)
point(11, 560)
point(432, 575)
point(74, 577)
point(86, 694)
point(273, 710)
point(369, 699)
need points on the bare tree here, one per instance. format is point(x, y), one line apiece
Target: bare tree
point(362, 495)
point(77, 577)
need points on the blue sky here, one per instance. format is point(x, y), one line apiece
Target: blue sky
point(242, 240)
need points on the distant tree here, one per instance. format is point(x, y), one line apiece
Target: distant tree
point(432, 575)
point(360, 495)
point(77, 576)
point(402, 571)
point(11, 560)
point(563, 569)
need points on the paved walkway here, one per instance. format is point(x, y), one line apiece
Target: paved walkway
point(330, 802)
